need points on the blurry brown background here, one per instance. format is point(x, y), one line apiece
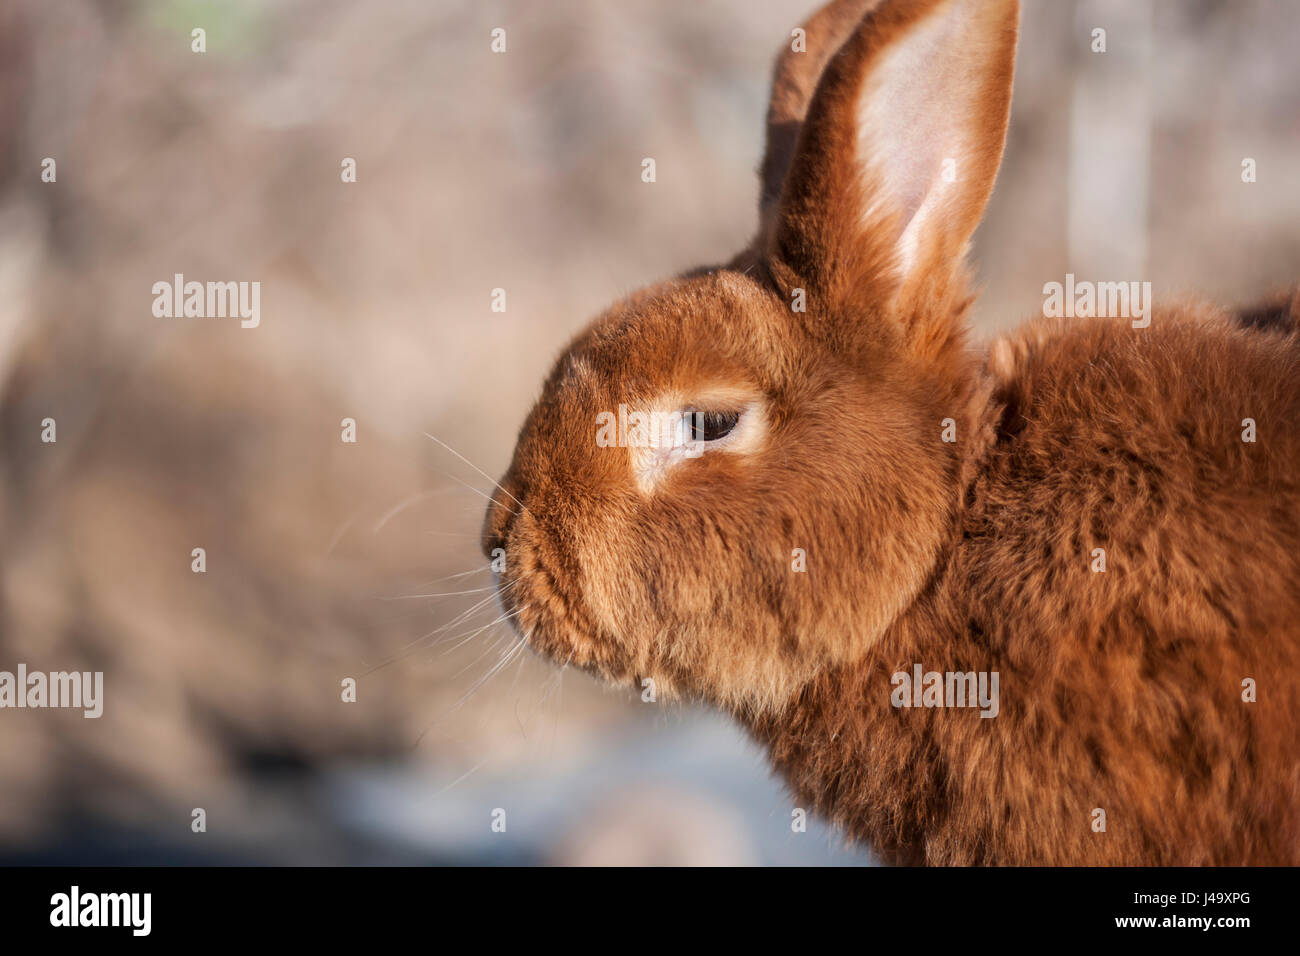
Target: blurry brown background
point(475, 171)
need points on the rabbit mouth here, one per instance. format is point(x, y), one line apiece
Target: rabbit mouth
point(563, 643)
point(554, 622)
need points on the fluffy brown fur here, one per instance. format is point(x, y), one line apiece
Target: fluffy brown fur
point(1121, 690)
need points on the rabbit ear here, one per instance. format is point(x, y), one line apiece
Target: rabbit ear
point(794, 80)
point(897, 153)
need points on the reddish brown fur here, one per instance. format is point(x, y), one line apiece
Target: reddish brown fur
point(1121, 690)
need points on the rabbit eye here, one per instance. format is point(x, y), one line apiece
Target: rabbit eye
point(688, 432)
point(711, 426)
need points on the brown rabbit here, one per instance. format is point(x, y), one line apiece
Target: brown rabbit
point(790, 487)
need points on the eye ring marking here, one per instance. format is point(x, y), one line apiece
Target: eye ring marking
point(702, 428)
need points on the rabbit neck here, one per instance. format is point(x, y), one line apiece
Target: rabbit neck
point(871, 751)
point(872, 743)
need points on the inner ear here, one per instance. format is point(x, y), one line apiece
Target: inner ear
point(931, 122)
point(899, 149)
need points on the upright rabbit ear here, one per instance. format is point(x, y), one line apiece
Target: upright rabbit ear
point(794, 80)
point(895, 157)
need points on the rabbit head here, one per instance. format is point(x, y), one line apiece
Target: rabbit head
point(737, 476)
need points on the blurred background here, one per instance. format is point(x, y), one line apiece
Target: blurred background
point(475, 171)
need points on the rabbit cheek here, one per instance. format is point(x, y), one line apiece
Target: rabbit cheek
point(541, 594)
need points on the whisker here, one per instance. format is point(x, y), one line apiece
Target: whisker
point(343, 529)
point(388, 516)
point(402, 506)
point(412, 647)
point(495, 645)
point(452, 577)
point(559, 700)
point(454, 782)
point(465, 615)
point(520, 644)
point(476, 491)
point(550, 687)
point(477, 685)
point(465, 640)
point(515, 683)
point(476, 468)
point(438, 594)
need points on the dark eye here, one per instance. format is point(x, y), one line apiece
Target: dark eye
point(710, 426)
